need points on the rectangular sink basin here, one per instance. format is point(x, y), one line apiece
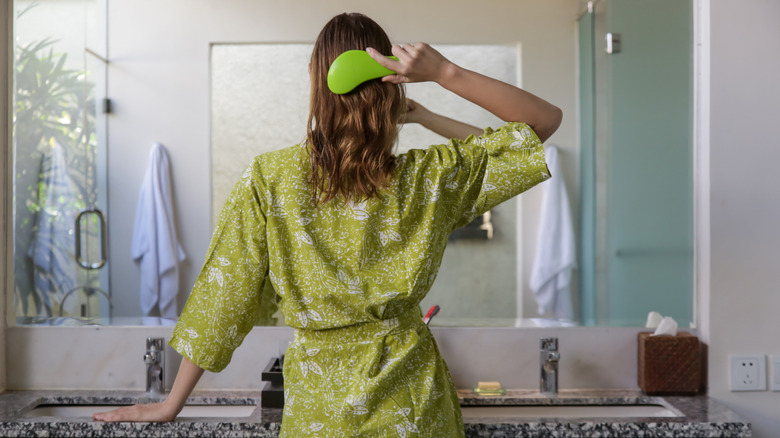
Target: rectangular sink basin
point(568, 411)
point(47, 410)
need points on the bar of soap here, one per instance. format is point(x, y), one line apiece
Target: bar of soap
point(489, 385)
point(489, 388)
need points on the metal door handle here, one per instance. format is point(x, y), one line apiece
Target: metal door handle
point(102, 234)
point(613, 43)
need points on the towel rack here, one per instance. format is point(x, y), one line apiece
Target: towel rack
point(653, 252)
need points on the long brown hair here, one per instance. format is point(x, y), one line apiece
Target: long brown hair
point(351, 136)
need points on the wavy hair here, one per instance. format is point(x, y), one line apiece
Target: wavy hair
point(350, 136)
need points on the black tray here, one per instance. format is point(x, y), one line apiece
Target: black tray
point(273, 372)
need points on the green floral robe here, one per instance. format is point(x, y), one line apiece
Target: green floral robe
point(349, 277)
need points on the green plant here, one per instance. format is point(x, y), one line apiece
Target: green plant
point(52, 106)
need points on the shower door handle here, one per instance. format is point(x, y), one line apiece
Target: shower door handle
point(102, 235)
point(613, 43)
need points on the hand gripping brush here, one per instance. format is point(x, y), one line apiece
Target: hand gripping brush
point(352, 68)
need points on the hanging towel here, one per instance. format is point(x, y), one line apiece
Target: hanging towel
point(555, 247)
point(53, 246)
point(155, 245)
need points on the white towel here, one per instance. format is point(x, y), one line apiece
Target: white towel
point(53, 246)
point(155, 243)
point(555, 246)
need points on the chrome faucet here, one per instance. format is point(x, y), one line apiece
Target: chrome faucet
point(549, 355)
point(155, 365)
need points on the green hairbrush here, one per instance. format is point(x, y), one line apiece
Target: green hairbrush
point(352, 68)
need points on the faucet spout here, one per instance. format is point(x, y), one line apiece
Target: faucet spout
point(549, 358)
point(155, 365)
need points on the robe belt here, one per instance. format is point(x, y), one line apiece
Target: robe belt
point(373, 333)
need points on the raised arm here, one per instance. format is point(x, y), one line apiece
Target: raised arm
point(420, 62)
point(186, 379)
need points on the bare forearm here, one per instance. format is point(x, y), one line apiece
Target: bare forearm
point(506, 101)
point(185, 382)
point(419, 62)
point(188, 376)
point(447, 127)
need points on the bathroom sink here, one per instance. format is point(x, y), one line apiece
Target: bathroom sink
point(568, 411)
point(62, 410)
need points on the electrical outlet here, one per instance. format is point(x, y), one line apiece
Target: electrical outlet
point(747, 373)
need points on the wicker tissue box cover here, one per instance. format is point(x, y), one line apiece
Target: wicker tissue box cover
point(670, 364)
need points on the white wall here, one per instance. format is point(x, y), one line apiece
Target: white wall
point(745, 202)
point(159, 83)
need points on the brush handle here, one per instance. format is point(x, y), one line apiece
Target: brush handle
point(352, 68)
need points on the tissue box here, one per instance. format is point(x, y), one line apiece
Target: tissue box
point(670, 364)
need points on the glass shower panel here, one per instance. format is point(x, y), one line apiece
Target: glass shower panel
point(601, 120)
point(59, 149)
point(641, 236)
point(587, 169)
point(649, 237)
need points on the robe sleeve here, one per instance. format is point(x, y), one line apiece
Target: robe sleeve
point(230, 293)
point(487, 170)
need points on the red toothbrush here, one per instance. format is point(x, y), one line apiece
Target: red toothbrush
point(431, 313)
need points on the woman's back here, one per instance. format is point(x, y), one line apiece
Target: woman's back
point(352, 274)
point(341, 263)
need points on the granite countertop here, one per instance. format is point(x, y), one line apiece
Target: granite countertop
point(699, 416)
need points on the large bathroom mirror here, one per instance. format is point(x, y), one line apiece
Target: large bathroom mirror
point(624, 155)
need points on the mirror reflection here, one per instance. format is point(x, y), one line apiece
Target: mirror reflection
point(627, 175)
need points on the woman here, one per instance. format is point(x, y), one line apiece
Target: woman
point(351, 237)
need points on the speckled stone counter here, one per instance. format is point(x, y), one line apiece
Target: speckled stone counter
point(698, 416)
point(15, 408)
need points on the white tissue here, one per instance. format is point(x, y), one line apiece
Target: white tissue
point(653, 319)
point(667, 327)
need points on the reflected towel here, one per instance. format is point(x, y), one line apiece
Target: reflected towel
point(53, 246)
point(155, 244)
point(555, 246)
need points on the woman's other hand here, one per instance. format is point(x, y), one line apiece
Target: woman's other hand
point(415, 113)
point(417, 62)
point(151, 412)
point(185, 381)
point(444, 126)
